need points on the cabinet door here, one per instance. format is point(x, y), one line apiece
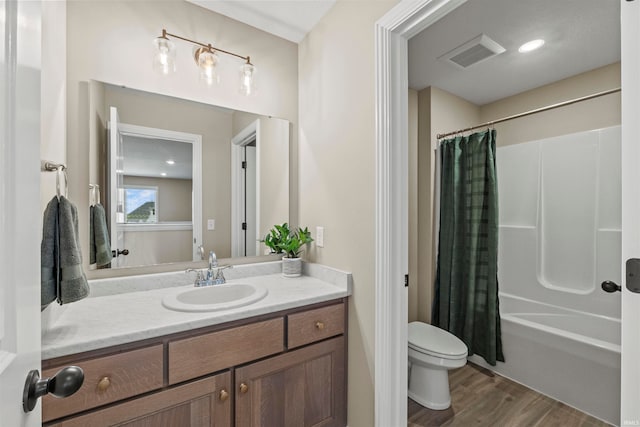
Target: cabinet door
point(202, 403)
point(305, 387)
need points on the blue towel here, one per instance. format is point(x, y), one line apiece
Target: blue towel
point(72, 285)
point(101, 249)
point(49, 255)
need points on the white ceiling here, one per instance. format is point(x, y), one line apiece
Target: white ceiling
point(148, 157)
point(289, 19)
point(580, 35)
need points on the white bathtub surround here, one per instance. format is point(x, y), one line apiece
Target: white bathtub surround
point(570, 356)
point(137, 314)
point(560, 237)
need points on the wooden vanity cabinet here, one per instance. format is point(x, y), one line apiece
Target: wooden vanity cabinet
point(283, 369)
point(201, 403)
point(301, 388)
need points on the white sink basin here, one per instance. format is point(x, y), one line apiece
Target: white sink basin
point(214, 298)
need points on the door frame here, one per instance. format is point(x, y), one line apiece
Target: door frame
point(126, 129)
point(250, 133)
point(392, 33)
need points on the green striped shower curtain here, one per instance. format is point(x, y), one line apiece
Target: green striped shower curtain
point(466, 288)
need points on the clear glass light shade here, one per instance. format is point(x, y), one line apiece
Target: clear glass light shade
point(247, 79)
point(164, 60)
point(208, 63)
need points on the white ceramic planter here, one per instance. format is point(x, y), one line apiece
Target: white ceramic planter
point(291, 267)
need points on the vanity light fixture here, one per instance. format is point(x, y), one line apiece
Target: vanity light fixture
point(531, 45)
point(206, 58)
point(171, 162)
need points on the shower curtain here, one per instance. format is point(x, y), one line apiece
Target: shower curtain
point(466, 288)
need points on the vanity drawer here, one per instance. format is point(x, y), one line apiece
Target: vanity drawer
point(108, 379)
point(315, 325)
point(204, 354)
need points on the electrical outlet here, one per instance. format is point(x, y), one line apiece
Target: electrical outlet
point(211, 224)
point(320, 237)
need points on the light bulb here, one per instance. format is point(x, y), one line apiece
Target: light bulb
point(207, 60)
point(164, 60)
point(247, 79)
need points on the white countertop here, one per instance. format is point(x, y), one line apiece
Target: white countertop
point(108, 320)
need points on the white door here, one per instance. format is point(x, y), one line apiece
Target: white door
point(116, 188)
point(630, 393)
point(250, 218)
point(19, 206)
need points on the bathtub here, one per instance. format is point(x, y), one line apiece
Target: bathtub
point(571, 356)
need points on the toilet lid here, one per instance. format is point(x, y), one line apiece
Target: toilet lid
point(434, 341)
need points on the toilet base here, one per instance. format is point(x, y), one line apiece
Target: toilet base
point(429, 387)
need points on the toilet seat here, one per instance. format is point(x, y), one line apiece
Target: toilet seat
point(435, 342)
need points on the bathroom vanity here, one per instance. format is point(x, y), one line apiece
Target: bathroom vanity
point(280, 361)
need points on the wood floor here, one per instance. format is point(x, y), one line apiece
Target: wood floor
point(481, 398)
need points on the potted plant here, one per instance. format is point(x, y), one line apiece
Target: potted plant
point(283, 240)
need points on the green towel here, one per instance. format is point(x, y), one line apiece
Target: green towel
point(49, 255)
point(100, 233)
point(73, 284)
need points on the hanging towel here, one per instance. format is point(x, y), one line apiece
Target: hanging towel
point(73, 284)
point(49, 255)
point(100, 233)
point(92, 241)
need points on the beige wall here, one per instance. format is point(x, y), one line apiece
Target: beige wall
point(174, 196)
point(593, 114)
point(441, 112)
point(111, 41)
point(337, 171)
point(157, 247)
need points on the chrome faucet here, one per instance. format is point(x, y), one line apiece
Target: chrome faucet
point(219, 278)
point(200, 280)
point(213, 260)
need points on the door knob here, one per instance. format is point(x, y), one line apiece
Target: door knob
point(63, 384)
point(118, 252)
point(609, 286)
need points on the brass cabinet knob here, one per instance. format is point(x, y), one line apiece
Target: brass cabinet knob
point(319, 325)
point(224, 395)
point(104, 383)
point(244, 388)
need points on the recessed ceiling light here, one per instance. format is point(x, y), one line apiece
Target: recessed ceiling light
point(171, 162)
point(531, 45)
point(163, 174)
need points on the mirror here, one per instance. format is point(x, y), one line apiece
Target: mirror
point(184, 178)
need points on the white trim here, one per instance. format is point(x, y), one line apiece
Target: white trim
point(392, 33)
point(196, 164)
point(630, 370)
point(243, 138)
point(157, 226)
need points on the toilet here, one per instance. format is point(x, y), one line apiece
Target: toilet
point(432, 352)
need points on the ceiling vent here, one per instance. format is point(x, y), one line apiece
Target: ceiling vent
point(472, 52)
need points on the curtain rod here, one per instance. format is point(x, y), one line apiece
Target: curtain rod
point(530, 112)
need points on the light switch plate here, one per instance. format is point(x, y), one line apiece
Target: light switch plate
point(320, 237)
point(211, 224)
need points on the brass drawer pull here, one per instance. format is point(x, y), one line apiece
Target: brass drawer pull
point(104, 383)
point(244, 388)
point(319, 325)
point(224, 395)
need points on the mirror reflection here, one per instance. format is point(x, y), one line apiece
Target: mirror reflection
point(180, 178)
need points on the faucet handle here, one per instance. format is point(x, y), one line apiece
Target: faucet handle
point(219, 278)
point(199, 276)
